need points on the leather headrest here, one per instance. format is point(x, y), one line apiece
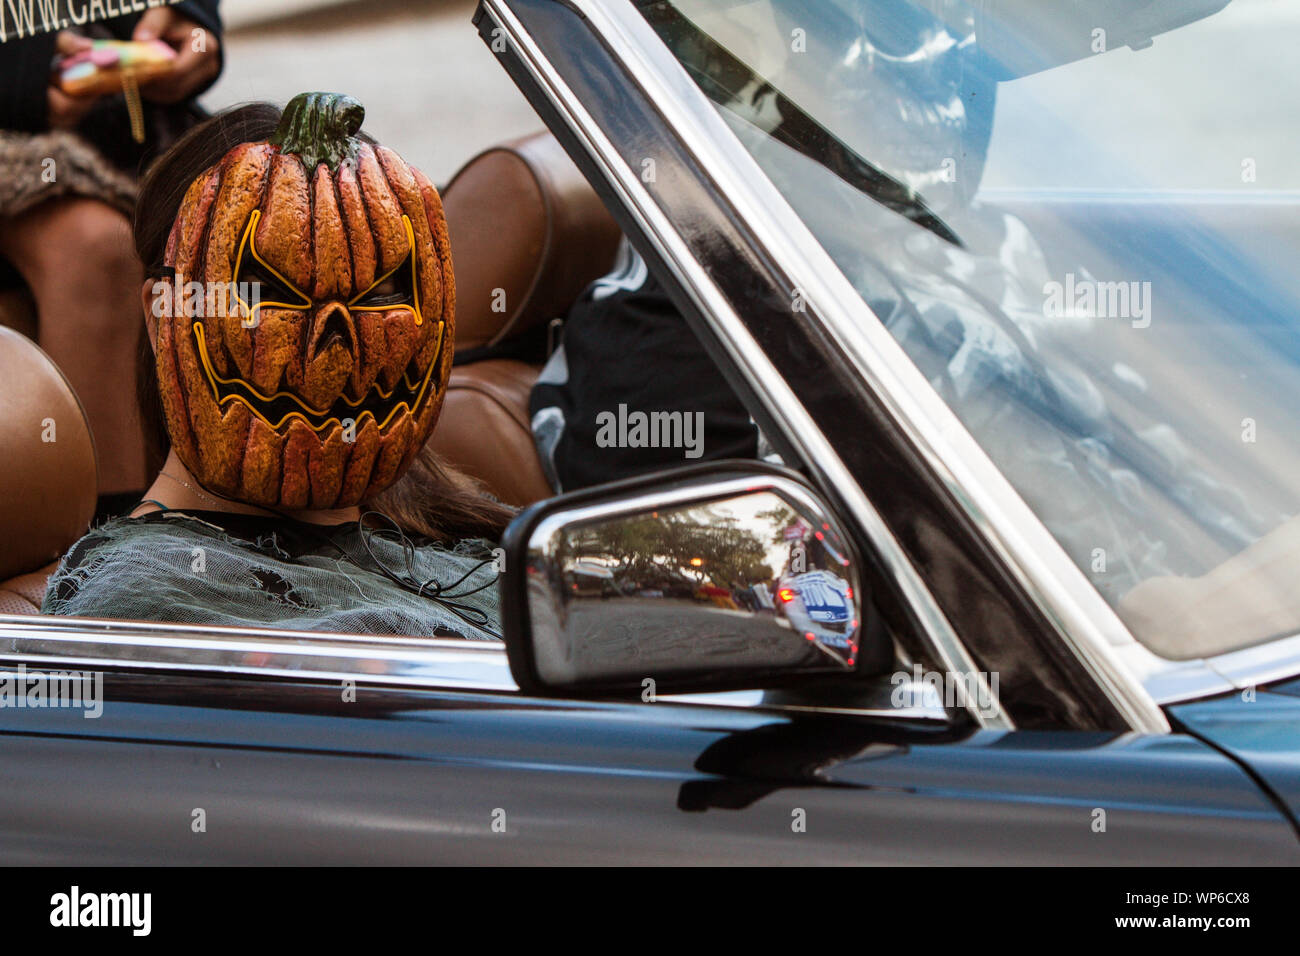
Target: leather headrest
point(48, 484)
point(528, 234)
point(484, 430)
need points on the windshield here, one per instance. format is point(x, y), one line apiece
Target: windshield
point(1079, 221)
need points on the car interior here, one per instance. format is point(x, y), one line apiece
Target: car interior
point(528, 234)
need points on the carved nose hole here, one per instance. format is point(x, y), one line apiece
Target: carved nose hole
point(334, 328)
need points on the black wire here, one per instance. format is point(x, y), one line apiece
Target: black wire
point(436, 592)
point(431, 589)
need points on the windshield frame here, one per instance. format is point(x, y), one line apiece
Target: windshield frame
point(620, 183)
point(613, 111)
point(1083, 621)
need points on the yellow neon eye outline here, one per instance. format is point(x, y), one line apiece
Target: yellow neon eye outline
point(415, 282)
point(248, 241)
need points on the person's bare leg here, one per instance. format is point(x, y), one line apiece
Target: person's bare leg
point(76, 255)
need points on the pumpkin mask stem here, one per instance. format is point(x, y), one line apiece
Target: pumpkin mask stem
point(320, 128)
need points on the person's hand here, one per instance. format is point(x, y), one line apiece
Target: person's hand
point(64, 111)
point(193, 68)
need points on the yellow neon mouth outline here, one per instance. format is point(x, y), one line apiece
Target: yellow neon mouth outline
point(214, 378)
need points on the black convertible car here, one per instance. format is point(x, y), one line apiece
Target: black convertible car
point(1009, 288)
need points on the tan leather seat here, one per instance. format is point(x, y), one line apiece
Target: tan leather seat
point(484, 429)
point(24, 594)
point(528, 234)
point(48, 482)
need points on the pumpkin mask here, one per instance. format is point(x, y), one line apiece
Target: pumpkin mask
point(319, 387)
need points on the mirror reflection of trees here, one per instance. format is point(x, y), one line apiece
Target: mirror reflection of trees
point(701, 582)
point(696, 552)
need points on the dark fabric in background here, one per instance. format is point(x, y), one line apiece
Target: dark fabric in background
point(633, 347)
point(25, 76)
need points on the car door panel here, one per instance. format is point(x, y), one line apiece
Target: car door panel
point(290, 773)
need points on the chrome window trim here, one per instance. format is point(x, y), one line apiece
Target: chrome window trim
point(1136, 679)
point(65, 642)
point(1250, 667)
point(49, 643)
point(746, 354)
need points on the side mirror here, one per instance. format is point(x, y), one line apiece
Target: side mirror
point(716, 577)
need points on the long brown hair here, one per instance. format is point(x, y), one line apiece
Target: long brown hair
point(433, 498)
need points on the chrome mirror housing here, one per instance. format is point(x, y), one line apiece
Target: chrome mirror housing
point(716, 577)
